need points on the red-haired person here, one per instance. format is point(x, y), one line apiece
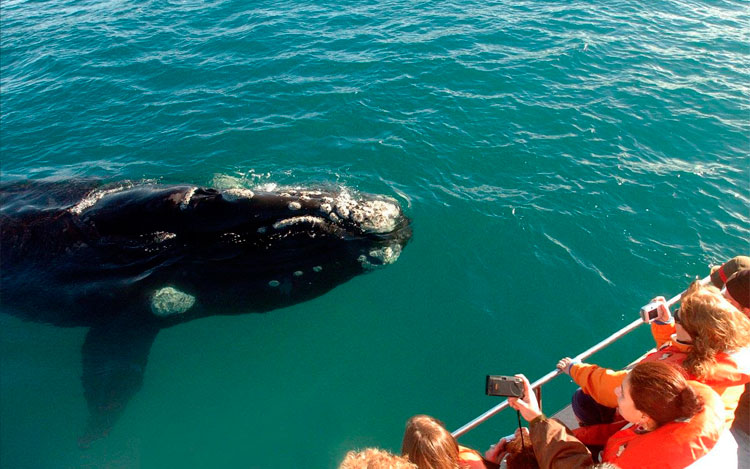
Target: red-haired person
point(708, 339)
point(668, 423)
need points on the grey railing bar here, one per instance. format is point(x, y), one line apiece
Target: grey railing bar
point(552, 374)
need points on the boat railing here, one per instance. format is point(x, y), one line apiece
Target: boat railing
point(536, 386)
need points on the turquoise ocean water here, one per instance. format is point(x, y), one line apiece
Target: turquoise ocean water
point(562, 163)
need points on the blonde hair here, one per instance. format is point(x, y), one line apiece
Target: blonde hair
point(428, 444)
point(374, 458)
point(714, 325)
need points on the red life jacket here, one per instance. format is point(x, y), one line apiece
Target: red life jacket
point(674, 445)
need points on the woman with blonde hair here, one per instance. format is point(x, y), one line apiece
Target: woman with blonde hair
point(708, 339)
point(713, 324)
point(430, 446)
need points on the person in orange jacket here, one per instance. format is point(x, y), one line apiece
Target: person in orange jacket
point(708, 339)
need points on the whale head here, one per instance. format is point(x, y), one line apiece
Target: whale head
point(238, 250)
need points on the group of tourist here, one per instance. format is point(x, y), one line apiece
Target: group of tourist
point(674, 409)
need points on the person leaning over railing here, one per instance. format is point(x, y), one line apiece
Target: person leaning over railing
point(669, 423)
point(708, 339)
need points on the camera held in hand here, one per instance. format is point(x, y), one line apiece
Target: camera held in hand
point(507, 386)
point(650, 312)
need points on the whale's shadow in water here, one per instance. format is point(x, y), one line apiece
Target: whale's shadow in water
point(127, 260)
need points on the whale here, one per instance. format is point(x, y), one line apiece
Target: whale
point(127, 259)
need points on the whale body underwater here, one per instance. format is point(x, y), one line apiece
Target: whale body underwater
point(128, 259)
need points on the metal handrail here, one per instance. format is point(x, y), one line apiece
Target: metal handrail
point(536, 385)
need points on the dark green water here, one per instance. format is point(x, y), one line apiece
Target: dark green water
point(562, 162)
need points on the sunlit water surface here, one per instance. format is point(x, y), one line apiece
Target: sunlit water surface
point(562, 163)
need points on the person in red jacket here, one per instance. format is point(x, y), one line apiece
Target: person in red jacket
point(674, 421)
point(708, 339)
point(668, 423)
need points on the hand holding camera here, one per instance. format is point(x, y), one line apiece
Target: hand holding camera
point(527, 404)
point(657, 309)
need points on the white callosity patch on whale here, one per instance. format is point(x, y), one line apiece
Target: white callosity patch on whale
point(386, 255)
point(169, 301)
point(93, 197)
point(158, 238)
point(188, 196)
point(231, 195)
point(161, 236)
point(378, 216)
point(295, 206)
point(287, 222)
point(232, 238)
point(274, 283)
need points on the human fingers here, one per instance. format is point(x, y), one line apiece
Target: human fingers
point(493, 453)
point(526, 387)
point(664, 314)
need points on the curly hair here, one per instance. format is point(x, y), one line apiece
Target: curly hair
point(374, 458)
point(714, 325)
point(521, 454)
